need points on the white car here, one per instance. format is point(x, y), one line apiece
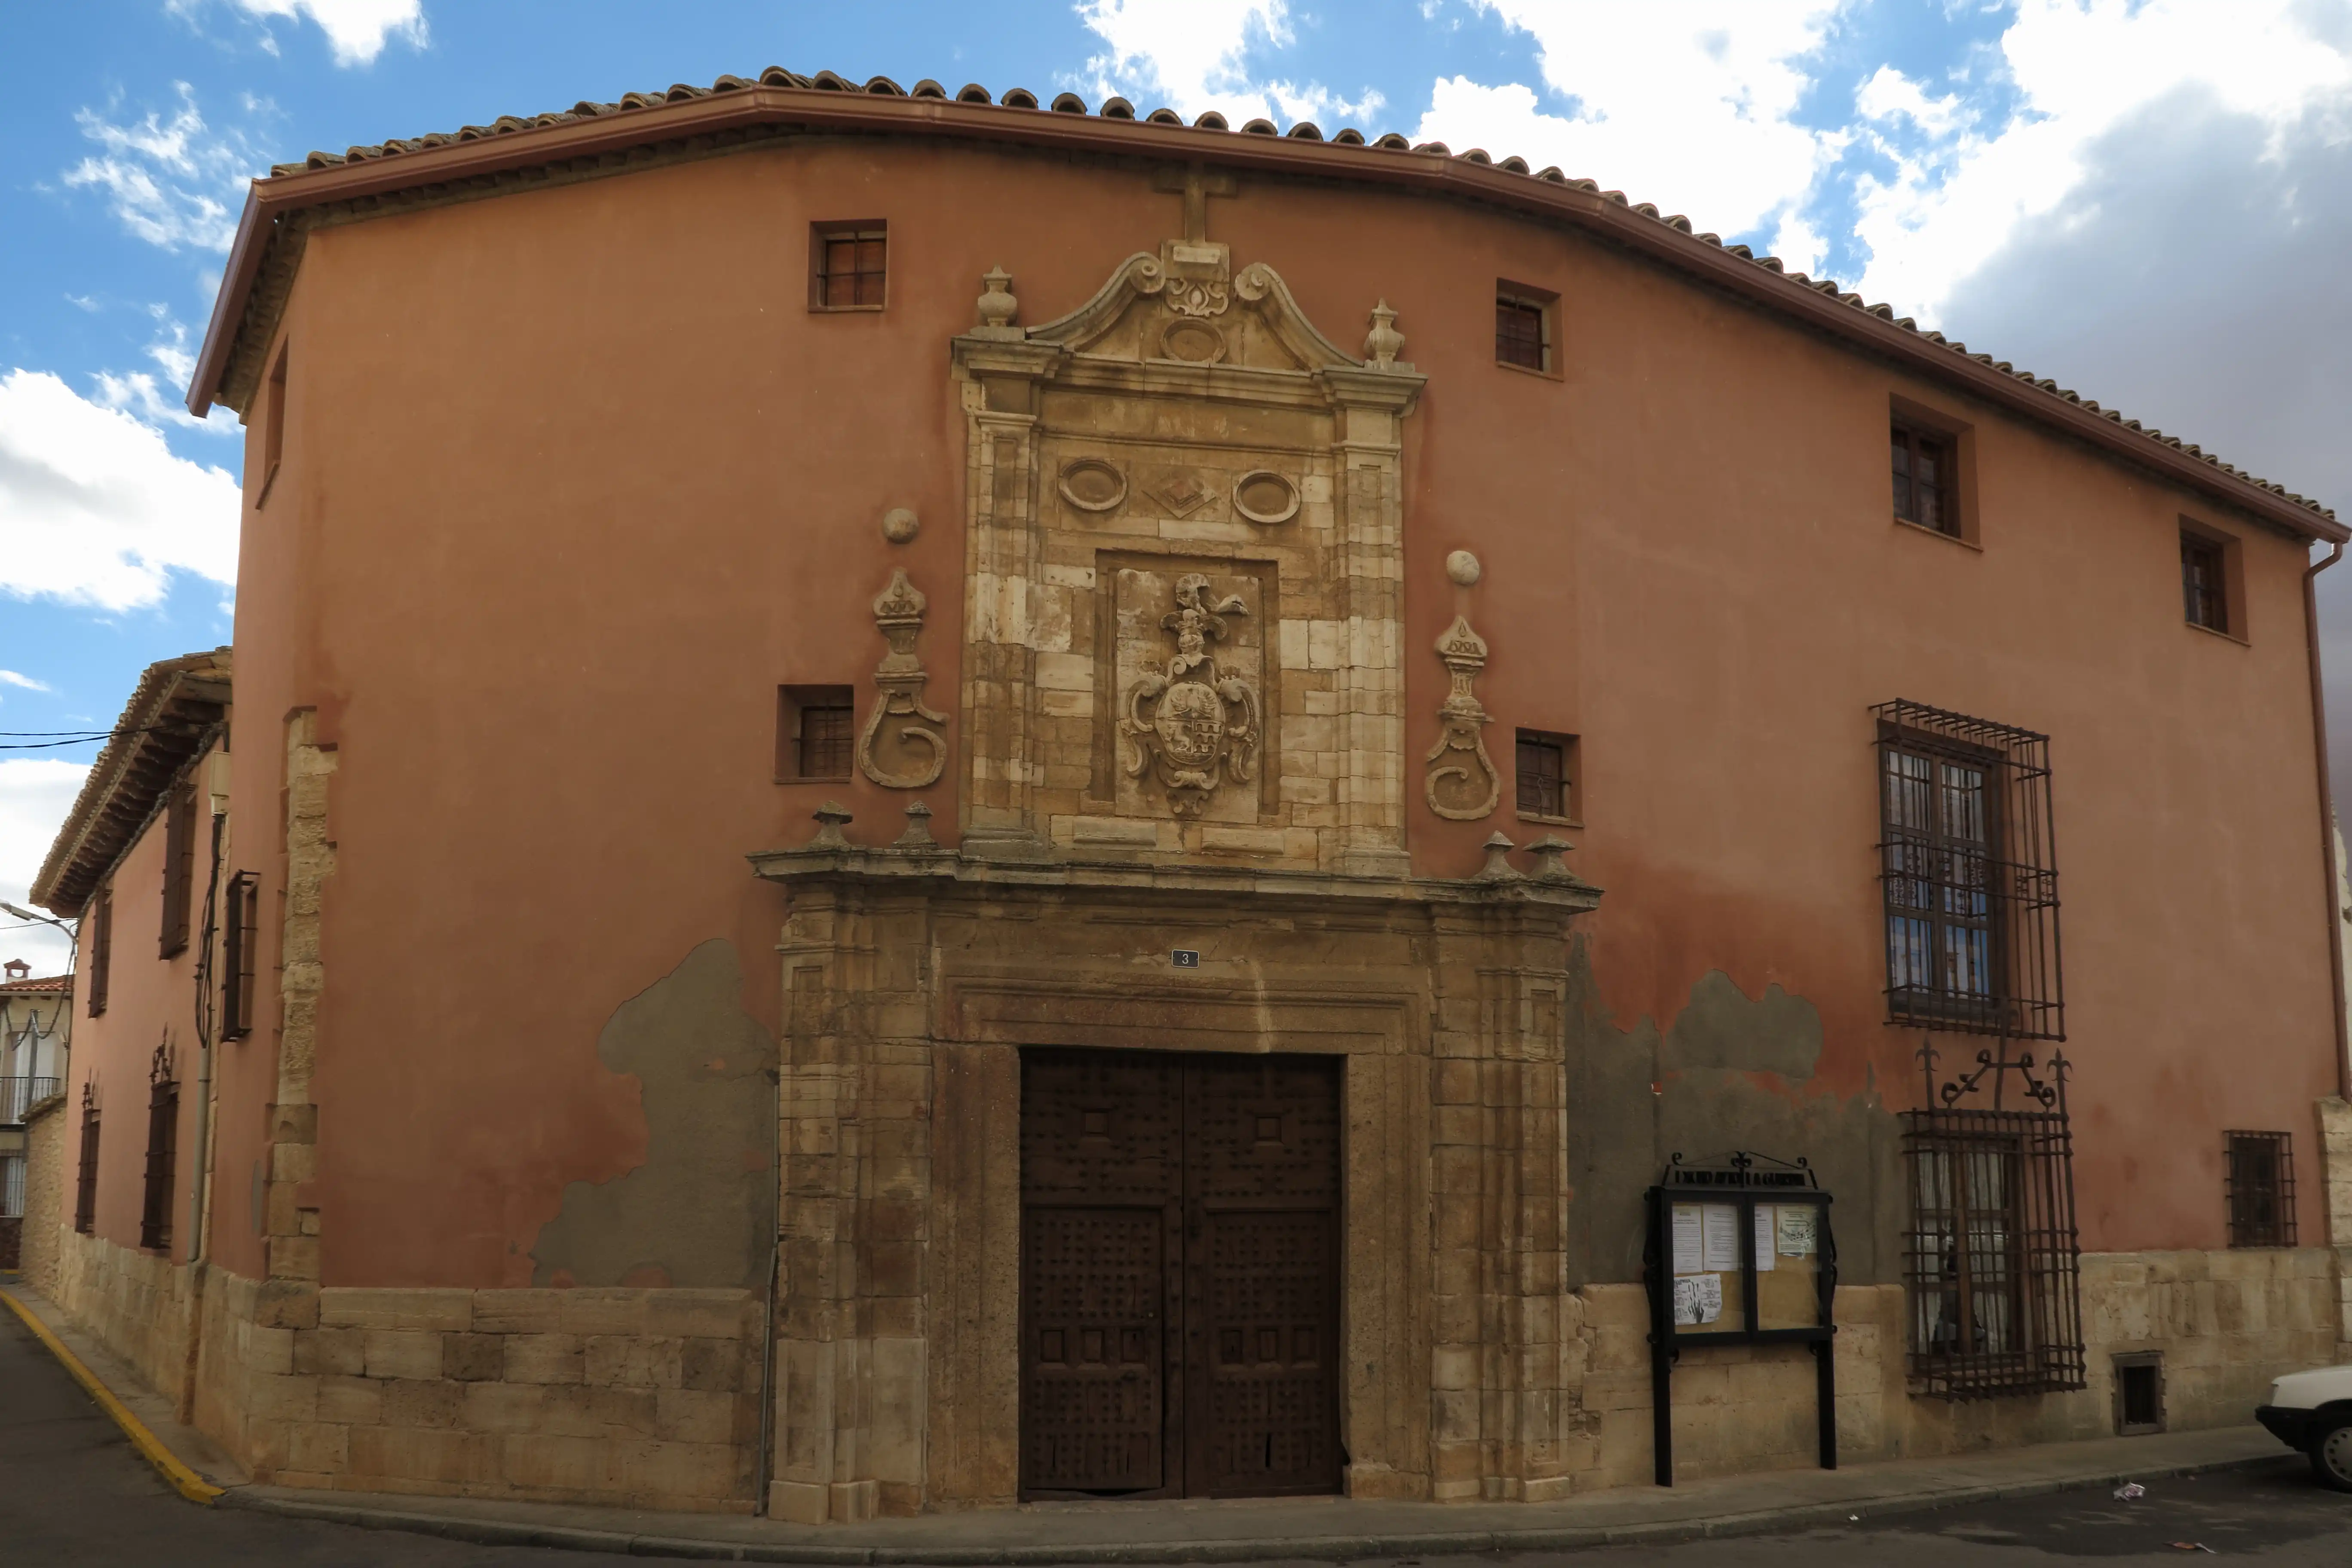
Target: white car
point(2312, 1412)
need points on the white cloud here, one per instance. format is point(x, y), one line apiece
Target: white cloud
point(139, 393)
point(96, 508)
point(1192, 54)
point(2081, 68)
point(1691, 105)
point(24, 682)
point(171, 182)
point(357, 30)
point(34, 795)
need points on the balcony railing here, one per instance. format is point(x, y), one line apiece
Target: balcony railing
point(18, 1094)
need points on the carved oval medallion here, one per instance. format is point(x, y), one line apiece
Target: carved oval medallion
point(1092, 485)
point(1191, 723)
point(1194, 342)
point(1265, 496)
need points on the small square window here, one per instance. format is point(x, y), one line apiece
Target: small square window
point(1926, 477)
point(1523, 328)
point(2139, 1392)
point(848, 265)
point(2204, 583)
point(816, 732)
point(1547, 776)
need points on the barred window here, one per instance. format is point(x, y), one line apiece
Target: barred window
point(239, 943)
point(1522, 331)
point(1545, 775)
point(2204, 583)
point(1991, 1261)
point(816, 732)
point(2259, 1171)
point(86, 1179)
point(848, 265)
point(1966, 861)
point(162, 1153)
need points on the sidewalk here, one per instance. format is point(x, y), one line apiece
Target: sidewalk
point(1324, 1529)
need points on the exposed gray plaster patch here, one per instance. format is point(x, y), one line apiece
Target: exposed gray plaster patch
point(1622, 1130)
point(702, 1210)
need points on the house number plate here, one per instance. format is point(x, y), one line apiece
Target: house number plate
point(1184, 958)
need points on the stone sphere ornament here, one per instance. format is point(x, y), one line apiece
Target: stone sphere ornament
point(898, 525)
point(1463, 567)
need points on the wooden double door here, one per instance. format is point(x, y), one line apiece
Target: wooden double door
point(1179, 1274)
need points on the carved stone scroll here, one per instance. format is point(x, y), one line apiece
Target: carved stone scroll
point(916, 745)
point(1462, 784)
point(1189, 725)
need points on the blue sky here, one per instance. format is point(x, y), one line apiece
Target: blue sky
point(2147, 199)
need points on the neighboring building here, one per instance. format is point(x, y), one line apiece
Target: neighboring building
point(1179, 1057)
point(138, 862)
point(33, 1027)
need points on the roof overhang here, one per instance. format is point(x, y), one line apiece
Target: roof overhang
point(742, 111)
point(177, 703)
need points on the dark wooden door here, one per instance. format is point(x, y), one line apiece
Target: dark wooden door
point(1179, 1274)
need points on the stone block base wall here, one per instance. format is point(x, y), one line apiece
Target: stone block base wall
point(135, 1302)
point(638, 1398)
point(45, 1191)
point(2335, 1171)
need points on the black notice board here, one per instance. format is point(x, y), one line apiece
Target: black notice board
point(1739, 1252)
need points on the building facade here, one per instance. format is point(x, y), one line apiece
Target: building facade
point(943, 801)
point(35, 1023)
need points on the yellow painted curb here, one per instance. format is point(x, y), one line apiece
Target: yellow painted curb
point(183, 1480)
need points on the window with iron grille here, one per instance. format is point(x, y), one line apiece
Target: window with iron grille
point(816, 732)
point(179, 868)
point(2259, 1172)
point(1991, 1260)
point(2204, 583)
point(11, 1186)
point(86, 1178)
point(1522, 331)
point(1967, 860)
point(1926, 477)
point(162, 1153)
point(239, 941)
point(101, 947)
point(1545, 774)
point(848, 265)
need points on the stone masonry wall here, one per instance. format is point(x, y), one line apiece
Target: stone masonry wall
point(2335, 1171)
point(640, 1399)
point(45, 1191)
point(2226, 1321)
point(134, 1301)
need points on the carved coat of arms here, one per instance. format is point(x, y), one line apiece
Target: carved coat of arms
point(1191, 728)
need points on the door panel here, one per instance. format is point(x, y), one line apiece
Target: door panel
point(1180, 1273)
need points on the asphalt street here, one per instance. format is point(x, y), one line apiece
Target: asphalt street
point(74, 1491)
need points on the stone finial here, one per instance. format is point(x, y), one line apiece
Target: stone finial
point(1550, 867)
point(996, 306)
point(831, 817)
point(900, 525)
point(1462, 569)
point(1498, 868)
point(1383, 342)
point(917, 836)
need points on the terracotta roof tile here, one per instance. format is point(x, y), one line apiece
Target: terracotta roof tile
point(1119, 108)
point(40, 985)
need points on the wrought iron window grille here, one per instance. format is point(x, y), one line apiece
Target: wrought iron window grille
point(85, 1177)
point(1991, 1260)
point(1968, 865)
point(2258, 1173)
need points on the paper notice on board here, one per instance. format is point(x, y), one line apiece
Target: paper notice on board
point(1764, 1213)
point(1686, 1239)
point(1797, 1230)
point(1720, 1224)
point(1698, 1298)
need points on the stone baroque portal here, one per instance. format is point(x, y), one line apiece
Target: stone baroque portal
point(1184, 574)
